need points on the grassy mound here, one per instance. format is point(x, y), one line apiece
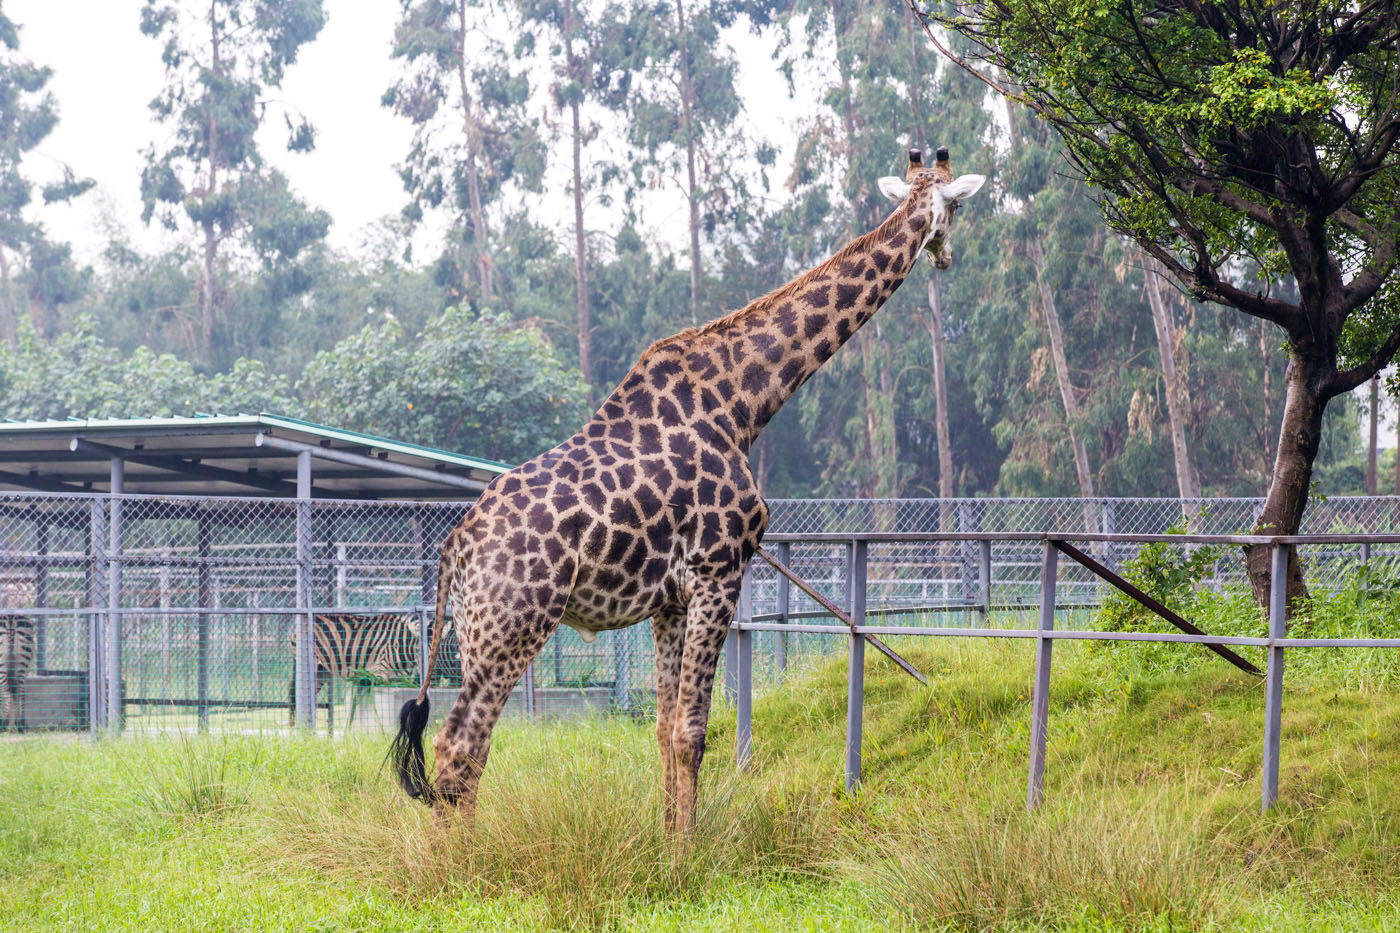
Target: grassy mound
point(1150, 820)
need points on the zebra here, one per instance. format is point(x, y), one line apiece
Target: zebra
point(383, 646)
point(16, 662)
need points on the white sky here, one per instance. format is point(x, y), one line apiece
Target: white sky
point(106, 73)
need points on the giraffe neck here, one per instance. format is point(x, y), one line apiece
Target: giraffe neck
point(774, 344)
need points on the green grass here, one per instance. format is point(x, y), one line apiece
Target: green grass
point(1151, 818)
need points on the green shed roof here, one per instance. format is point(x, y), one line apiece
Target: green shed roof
point(231, 455)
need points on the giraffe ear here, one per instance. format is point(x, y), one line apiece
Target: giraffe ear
point(961, 187)
point(893, 188)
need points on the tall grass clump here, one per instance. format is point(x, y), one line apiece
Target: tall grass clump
point(1126, 862)
point(569, 821)
point(198, 777)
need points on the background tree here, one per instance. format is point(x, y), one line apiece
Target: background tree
point(592, 50)
point(221, 56)
point(79, 375)
point(31, 266)
point(467, 381)
point(1229, 129)
point(684, 116)
point(465, 93)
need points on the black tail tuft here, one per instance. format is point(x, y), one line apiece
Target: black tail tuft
point(406, 751)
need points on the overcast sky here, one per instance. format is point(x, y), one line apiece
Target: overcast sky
point(106, 73)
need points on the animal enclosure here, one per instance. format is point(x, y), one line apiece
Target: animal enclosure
point(155, 614)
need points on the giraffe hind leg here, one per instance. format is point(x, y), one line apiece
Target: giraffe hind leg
point(668, 633)
point(495, 654)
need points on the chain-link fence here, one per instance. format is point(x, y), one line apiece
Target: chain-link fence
point(154, 613)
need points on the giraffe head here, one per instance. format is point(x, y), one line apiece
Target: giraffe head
point(932, 195)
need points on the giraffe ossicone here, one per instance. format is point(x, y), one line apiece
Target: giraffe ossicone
point(650, 510)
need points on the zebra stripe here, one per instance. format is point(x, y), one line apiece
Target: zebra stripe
point(384, 646)
point(17, 646)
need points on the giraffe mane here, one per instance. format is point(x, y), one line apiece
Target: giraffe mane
point(859, 245)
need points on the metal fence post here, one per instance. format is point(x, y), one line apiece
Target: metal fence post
point(113, 665)
point(305, 651)
point(41, 594)
point(780, 640)
point(204, 596)
point(1110, 524)
point(855, 696)
point(527, 689)
point(1040, 703)
point(969, 551)
point(424, 636)
point(621, 672)
point(731, 667)
point(97, 706)
point(1273, 677)
point(743, 743)
point(984, 579)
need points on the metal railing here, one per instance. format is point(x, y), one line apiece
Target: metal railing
point(739, 647)
point(165, 613)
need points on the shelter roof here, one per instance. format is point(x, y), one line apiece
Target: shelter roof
point(231, 456)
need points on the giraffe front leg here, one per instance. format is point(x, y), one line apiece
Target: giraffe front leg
point(707, 625)
point(668, 634)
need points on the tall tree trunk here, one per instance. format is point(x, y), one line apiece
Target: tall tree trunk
point(1371, 452)
point(1188, 484)
point(472, 132)
point(1264, 357)
point(585, 328)
point(1061, 363)
point(9, 323)
point(211, 240)
point(1299, 438)
point(942, 430)
point(687, 119)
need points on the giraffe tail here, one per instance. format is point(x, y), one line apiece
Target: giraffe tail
point(406, 750)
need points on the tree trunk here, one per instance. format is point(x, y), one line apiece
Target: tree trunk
point(473, 134)
point(1057, 354)
point(1268, 396)
point(1188, 483)
point(881, 443)
point(211, 240)
point(9, 324)
point(687, 112)
point(942, 430)
point(1298, 441)
point(1371, 480)
point(585, 328)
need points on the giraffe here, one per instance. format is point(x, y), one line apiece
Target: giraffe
point(650, 510)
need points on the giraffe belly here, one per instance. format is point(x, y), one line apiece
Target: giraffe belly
point(590, 611)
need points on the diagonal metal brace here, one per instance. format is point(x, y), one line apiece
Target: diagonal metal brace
point(831, 607)
point(1112, 578)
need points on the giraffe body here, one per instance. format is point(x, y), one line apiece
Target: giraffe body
point(651, 510)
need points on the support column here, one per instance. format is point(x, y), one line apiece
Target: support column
point(857, 554)
point(204, 597)
point(780, 640)
point(112, 667)
point(41, 593)
point(1273, 676)
point(1040, 700)
point(96, 597)
point(743, 736)
point(984, 579)
point(305, 649)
